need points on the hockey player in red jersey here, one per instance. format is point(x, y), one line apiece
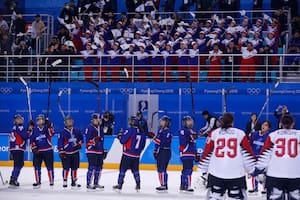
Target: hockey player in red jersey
point(226, 156)
point(280, 160)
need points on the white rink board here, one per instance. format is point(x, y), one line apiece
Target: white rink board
point(149, 180)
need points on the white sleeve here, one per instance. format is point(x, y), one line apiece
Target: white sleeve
point(210, 125)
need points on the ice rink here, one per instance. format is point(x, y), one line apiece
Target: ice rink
point(149, 181)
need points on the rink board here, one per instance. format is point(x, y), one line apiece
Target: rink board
point(114, 154)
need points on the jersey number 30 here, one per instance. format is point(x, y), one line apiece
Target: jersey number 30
point(286, 147)
point(226, 147)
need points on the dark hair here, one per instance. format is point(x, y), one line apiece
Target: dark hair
point(227, 120)
point(287, 121)
point(205, 112)
point(253, 114)
point(269, 123)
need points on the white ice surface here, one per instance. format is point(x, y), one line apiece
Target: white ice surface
point(149, 180)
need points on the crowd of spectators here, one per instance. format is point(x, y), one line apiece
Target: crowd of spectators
point(149, 40)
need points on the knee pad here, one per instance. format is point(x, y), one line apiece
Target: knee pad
point(294, 195)
point(99, 169)
point(214, 193)
point(276, 194)
point(236, 193)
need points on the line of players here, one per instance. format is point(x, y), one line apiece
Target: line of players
point(226, 155)
point(70, 141)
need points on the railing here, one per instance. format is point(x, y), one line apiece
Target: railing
point(263, 68)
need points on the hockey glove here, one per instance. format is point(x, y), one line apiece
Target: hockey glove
point(97, 139)
point(35, 150)
point(155, 155)
point(105, 154)
point(120, 134)
point(62, 155)
point(77, 147)
point(151, 134)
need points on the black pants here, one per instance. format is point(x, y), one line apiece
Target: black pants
point(71, 161)
point(163, 159)
point(18, 158)
point(129, 163)
point(95, 160)
point(46, 156)
point(236, 188)
point(278, 187)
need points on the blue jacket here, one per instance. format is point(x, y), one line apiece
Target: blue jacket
point(257, 141)
point(187, 144)
point(17, 138)
point(163, 139)
point(41, 138)
point(133, 142)
point(67, 139)
point(92, 145)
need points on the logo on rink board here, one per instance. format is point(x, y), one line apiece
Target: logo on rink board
point(253, 91)
point(6, 90)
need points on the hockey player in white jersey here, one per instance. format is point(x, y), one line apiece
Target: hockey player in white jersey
point(226, 157)
point(280, 160)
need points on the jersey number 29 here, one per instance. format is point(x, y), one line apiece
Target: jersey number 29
point(226, 147)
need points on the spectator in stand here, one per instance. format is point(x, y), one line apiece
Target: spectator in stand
point(289, 60)
point(247, 68)
point(295, 40)
point(203, 5)
point(215, 57)
point(266, 63)
point(182, 62)
point(67, 13)
point(38, 28)
point(88, 61)
point(194, 62)
point(231, 62)
point(3, 23)
point(253, 125)
point(169, 6)
point(280, 111)
point(20, 24)
point(21, 61)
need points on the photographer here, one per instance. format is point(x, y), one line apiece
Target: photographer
point(108, 122)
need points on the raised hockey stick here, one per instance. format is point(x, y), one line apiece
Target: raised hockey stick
point(28, 92)
point(192, 94)
point(267, 100)
point(225, 92)
point(56, 62)
point(127, 90)
point(59, 104)
point(3, 182)
point(98, 94)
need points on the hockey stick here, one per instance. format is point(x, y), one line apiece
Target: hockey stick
point(267, 100)
point(192, 95)
point(98, 94)
point(3, 183)
point(59, 104)
point(56, 62)
point(127, 90)
point(28, 92)
point(224, 94)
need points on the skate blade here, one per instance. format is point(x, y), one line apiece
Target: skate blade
point(162, 191)
point(76, 187)
point(117, 190)
point(36, 187)
point(138, 191)
point(13, 187)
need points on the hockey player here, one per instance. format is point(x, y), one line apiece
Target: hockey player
point(133, 142)
point(41, 145)
point(70, 140)
point(17, 146)
point(162, 151)
point(226, 155)
point(95, 152)
point(257, 141)
point(280, 160)
point(187, 140)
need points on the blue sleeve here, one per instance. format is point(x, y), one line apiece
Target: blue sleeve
point(166, 138)
point(182, 138)
point(79, 136)
point(125, 136)
point(23, 133)
point(88, 134)
point(60, 142)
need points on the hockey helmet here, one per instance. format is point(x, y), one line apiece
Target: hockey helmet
point(69, 122)
point(167, 120)
point(18, 119)
point(188, 121)
point(40, 120)
point(133, 121)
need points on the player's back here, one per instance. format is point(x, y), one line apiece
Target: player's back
point(133, 142)
point(231, 153)
point(281, 154)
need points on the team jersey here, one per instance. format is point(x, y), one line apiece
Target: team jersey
point(280, 156)
point(257, 141)
point(133, 142)
point(92, 145)
point(17, 138)
point(163, 139)
point(227, 154)
point(187, 143)
point(67, 139)
point(41, 138)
